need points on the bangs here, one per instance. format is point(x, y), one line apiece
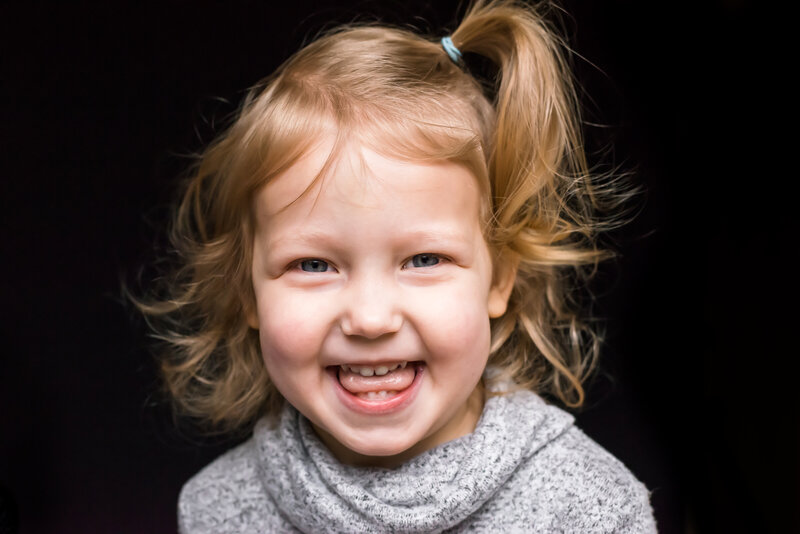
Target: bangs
point(291, 121)
point(408, 135)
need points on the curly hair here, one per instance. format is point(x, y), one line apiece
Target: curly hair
point(401, 94)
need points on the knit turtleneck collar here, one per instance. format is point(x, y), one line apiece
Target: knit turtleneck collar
point(430, 493)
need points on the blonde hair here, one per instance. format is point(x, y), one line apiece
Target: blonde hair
point(403, 95)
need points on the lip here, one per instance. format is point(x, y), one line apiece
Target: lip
point(378, 407)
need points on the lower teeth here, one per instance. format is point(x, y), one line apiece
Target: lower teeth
point(377, 395)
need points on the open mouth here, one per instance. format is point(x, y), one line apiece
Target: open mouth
point(377, 389)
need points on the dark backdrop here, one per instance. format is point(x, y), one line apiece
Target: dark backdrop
point(100, 104)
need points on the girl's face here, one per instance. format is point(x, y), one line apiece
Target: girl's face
point(380, 269)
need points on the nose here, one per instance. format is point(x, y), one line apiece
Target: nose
point(371, 308)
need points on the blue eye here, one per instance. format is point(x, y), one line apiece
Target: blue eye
point(424, 260)
point(314, 266)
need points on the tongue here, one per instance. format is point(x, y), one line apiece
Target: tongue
point(396, 380)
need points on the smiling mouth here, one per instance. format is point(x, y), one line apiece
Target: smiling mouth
point(390, 388)
point(376, 383)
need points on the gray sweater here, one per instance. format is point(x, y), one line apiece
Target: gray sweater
point(525, 468)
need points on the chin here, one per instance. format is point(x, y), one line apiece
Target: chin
point(384, 443)
point(374, 450)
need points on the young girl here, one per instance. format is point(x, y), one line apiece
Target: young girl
point(376, 280)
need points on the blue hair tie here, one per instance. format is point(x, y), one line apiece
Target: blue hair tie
point(452, 51)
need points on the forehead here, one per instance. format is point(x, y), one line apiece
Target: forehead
point(357, 179)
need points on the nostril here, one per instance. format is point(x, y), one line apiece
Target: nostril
point(371, 327)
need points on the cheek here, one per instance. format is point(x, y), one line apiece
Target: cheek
point(457, 323)
point(291, 329)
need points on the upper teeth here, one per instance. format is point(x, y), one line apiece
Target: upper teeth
point(369, 370)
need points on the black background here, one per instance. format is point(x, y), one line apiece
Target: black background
point(101, 102)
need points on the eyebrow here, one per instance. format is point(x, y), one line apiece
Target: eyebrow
point(442, 235)
point(303, 238)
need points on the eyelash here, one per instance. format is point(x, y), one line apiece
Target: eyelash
point(439, 259)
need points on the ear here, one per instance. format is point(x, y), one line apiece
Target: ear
point(505, 273)
point(250, 310)
point(252, 319)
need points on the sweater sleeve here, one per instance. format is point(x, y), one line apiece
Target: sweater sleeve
point(625, 508)
point(597, 492)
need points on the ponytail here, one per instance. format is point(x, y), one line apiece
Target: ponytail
point(543, 203)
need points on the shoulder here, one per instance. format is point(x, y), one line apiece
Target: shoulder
point(226, 496)
point(588, 488)
point(563, 481)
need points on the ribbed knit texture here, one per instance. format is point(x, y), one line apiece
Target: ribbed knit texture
point(525, 468)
